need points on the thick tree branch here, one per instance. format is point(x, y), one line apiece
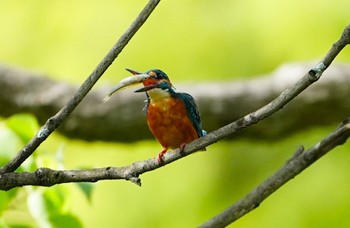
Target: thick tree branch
point(47, 177)
point(56, 120)
point(300, 161)
point(112, 121)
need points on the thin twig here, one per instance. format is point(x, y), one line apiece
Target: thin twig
point(55, 121)
point(299, 161)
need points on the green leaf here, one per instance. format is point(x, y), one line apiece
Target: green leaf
point(6, 198)
point(24, 125)
point(66, 220)
point(37, 208)
point(86, 188)
point(49, 207)
point(55, 199)
point(9, 143)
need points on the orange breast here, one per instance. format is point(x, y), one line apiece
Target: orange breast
point(168, 120)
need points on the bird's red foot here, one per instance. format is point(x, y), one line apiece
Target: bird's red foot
point(161, 154)
point(182, 148)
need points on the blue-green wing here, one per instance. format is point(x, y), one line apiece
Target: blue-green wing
point(192, 112)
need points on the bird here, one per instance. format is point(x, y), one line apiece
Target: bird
point(172, 116)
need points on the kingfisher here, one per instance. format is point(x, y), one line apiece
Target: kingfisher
point(172, 116)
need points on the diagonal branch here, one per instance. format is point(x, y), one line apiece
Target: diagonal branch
point(48, 177)
point(300, 161)
point(55, 121)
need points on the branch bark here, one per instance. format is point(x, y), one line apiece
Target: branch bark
point(53, 122)
point(300, 161)
point(47, 177)
point(24, 91)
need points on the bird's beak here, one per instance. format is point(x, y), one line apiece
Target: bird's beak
point(132, 80)
point(146, 88)
point(134, 72)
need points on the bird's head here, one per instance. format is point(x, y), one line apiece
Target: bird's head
point(154, 79)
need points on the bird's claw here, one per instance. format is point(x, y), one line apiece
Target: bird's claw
point(182, 149)
point(160, 156)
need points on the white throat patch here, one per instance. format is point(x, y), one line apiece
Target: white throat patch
point(156, 94)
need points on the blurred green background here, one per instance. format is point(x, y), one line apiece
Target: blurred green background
point(191, 41)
